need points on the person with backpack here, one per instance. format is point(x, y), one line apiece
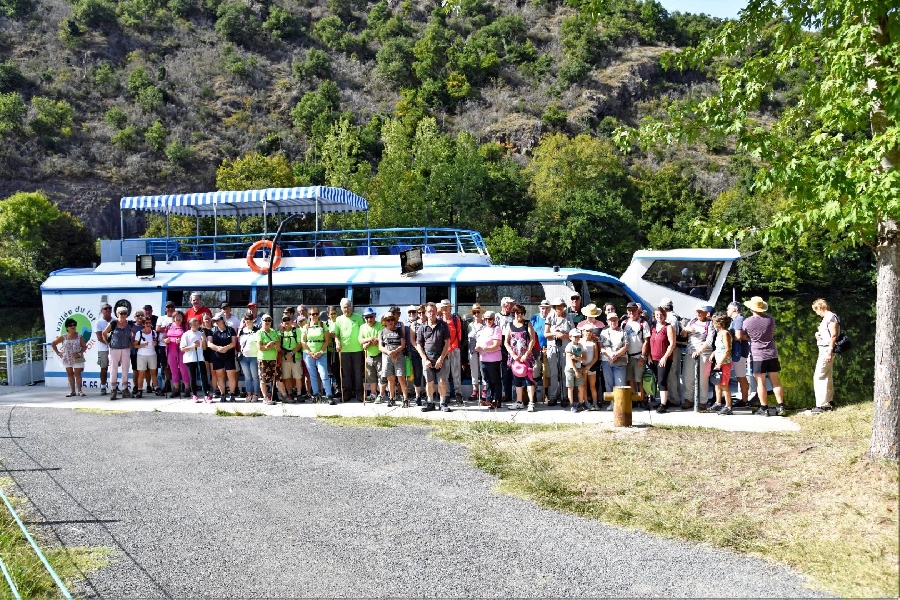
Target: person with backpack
point(739, 363)
point(314, 340)
point(662, 348)
point(826, 337)
point(723, 358)
point(454, 359)
point(760, 329)
point(145, 344)
point(673, 385)
point(700, 334)
point(223, 343)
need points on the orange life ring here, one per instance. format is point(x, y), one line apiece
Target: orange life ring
point(251, 254)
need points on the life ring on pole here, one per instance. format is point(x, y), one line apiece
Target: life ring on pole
point(251, 254)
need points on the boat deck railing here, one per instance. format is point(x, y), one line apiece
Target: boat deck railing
point(22, 361)
point(362, 242)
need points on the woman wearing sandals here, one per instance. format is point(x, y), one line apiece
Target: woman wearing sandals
point(70, 348)
point(145, 365)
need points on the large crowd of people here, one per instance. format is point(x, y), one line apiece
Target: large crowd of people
point(565, 355)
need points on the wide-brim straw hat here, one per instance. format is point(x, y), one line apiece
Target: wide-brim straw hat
point(591, 310)
point(756, 304)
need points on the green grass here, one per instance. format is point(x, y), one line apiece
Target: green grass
point(101, 411)
point(26, 569)
point(808, 499)
point(236, 413)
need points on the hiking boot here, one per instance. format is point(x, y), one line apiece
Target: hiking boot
point(762, 411)
point(379, 399)
point(445, 408)
point(687, 405)
point(459, 399)
point(518, 406)
point(405, 403)
point(391, 402)
point(725, 411)
point(126, 393)
point(115, 394)
point(662, 409)
point(427, 407)
point(300, 399)
point(740, 404)
point(714, 408)
point(780, 411)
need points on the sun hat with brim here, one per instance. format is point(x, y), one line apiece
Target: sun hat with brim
point(490, 314)
point(475, 307)
point(519, 369)
point(545, 303)
point(559, 302)
point(369, 312)
point(591, 310)
point(412, 308)
point(575, 333)
point(612, 317)
point(757, 304)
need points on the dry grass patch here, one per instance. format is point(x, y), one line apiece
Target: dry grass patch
point(808, 499)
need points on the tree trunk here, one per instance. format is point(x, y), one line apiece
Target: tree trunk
point(885, 442)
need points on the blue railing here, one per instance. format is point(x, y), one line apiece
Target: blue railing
point(360, 242)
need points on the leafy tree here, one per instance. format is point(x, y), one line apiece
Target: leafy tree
point(394, 61)
point(116, 117)
point(330, 31)
point(507, 246)
point(255, 171)
point(280, 24)
point(22, 217)
point(378, 14)
point(236, 22)
point(178, 154)
point(138, 80)
point(431, 51)
point(126, 138)
point(11, 77)
point(12, 112)
point(155, 136)
point(15, 9)
point(669, 206)
point(315, 111)
point(94, 13)
point(316, 64)
point(835, 155)
point(52, 117)
point(65, 242)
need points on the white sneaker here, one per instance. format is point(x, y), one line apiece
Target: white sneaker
point(531, 407)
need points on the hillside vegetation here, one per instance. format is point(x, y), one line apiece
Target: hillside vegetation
point(494, 116)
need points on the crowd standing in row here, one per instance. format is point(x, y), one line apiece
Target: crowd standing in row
point(564, 355)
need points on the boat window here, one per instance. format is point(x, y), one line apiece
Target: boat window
point(327, 296)
point(436, 293)
point(694, 277)
point(390, 295)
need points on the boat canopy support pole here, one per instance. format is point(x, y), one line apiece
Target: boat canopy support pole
point(272, 258)
point(168, 252)
point(122, 240)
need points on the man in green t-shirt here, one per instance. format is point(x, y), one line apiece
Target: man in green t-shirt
point(368, 339)
point(269, 345)
point(346, 342)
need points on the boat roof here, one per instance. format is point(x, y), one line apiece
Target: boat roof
point(311, 199)
point(724, 254)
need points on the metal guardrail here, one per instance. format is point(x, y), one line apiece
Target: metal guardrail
point(22, 361)
point(360, 242)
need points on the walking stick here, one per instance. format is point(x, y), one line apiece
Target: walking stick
point(198, 361)
point(341, 375)
point(697, 383)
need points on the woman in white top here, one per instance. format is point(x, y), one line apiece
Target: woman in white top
point(193, 343)
point(590, 361)
point(145, 341)
point(826, 336)
point(249, 338)
point(613, 349)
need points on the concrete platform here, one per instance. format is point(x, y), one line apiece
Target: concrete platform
point(39, 396)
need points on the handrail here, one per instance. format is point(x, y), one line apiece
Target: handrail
point(59, 583)
point(317, 243)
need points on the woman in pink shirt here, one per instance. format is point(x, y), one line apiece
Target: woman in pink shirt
point(172, 337)
point(487, 345)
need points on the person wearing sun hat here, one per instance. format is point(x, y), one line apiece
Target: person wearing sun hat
point(475, 325)
point(412, 329)
point(760, 328)
point(700, 334)
point(368, 339)
point(556, 329)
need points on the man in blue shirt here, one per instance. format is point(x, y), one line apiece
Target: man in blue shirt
point(538, 321)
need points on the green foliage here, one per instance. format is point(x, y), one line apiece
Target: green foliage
point(236, 22)
point(430, 52)
point(105, 78)
point(116, 117)
point(254, 171)
point(22, 216)
point(155, 136)
point(394, 61)
point(238, 65)
point(94, 13)
point(179, 154)
point(669, 206)
point(150, 99)
point(280, 24)
point(12, 112)
point(15, 9)
point(316, 64)
point(11, 77)
point(507, 247)
point(143, 15)
point(315, 111)
point(18, 286)
point(553, 117)
point(582, 47)
point(378, 15)
point(138, 80)
point(52, 117)
point(126, 138)
point(332, 32)
point(66, 242)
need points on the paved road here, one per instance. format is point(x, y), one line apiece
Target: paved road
point(203, 506)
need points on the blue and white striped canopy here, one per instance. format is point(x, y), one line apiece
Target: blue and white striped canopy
point(251, 202)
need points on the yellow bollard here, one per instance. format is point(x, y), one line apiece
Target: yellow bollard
point(622, 397)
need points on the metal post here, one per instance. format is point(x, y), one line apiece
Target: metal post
point(272, 259)
point(215, 232)
point(122, 236)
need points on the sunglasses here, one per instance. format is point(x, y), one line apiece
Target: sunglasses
point(390, 320)
point(267, 320)
point(476, 312)
point(67, 326)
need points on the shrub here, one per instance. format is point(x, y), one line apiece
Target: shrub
point(155, 136)
point(138, 79)
point(105, 78)
point(236, 22)
point(150, 99)
point(280, 24)
point(116, 117)
point(14, 9)
point(394, 60)
point(316, 64)
point(330, 31)
point(11, 77)
point(12, 112)
point(53, 117)
point(126, 139)
point(179, 154)
point(94, 13)
point(553, 117)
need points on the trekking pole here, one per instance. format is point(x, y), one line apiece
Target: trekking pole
point(341, 375)
point(697, 383)
point(199, 374)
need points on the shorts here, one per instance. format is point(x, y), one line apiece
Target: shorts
point(268, 371)
point(292, 368)
point(395, 367)
point(103, 358)
point(635, 370)
point(761, 367)
point(437, 375)
point(740, 367)
point(574, 378)
point(522, 382)
point(373, 369)
point(223, 361)
point(146, 362)
point(726, 374)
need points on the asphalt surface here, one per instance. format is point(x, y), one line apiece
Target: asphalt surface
point(205, 506)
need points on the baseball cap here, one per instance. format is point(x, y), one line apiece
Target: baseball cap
point(105, 305)
point(412, 308)
point(612, 316)
point(545, 302)
point(223, 305)
point(251, 304)
point(664, 302)
point(148, 307)
point(219, 317)
point(507, 300)
point(575, 295)
point(559, 302)
point(170, 304)
point(632, 305)
point(490, 314)
point(575, 333)
point(369, 312)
